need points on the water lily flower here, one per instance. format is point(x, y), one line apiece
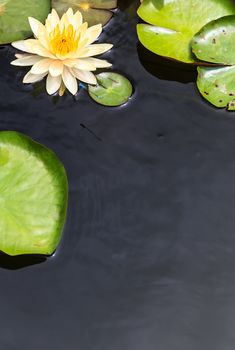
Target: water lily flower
point(62, 50)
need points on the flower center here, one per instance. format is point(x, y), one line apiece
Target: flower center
point(63, 41)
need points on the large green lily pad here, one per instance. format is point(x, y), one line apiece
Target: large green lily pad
point(14, 24)
point(173, 23)
point(112, 89)
point(33, 196)
point(215, 43)
point(93, 11)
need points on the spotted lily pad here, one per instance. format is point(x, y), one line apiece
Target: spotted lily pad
point(172, 24)
point(33, 196)
point(217, 85)
point(93, 11)
point(14, 24)
point(112, 89)
point(215, 44)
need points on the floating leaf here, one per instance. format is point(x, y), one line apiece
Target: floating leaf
point(33, 196)
point(93, 11)
point(174, 23)
point(215, 44)
point(14, 15)
point(112, 89)
point(217, 85)
point(215, 41)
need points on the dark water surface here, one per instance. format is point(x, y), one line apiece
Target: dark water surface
point(147, 260)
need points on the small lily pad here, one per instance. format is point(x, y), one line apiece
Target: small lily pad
point(172, 24)
point(14, 24)
point(33, 196)
point(112, 89)
point(93, 11)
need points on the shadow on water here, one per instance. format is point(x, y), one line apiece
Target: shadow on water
point(130, 6)
point(166, 69)
point(160, 67)
point(18, 262)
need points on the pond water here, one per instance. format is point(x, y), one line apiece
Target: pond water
point(147, 257)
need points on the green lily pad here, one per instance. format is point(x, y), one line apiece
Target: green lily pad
point(217, 85)
point(14, 24)
point(93, 11)
point(215, 41)
point(112, 89)
point(172, 24)
point(33, 196)
point(215, 44)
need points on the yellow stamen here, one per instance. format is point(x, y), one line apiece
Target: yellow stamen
point(65, 41)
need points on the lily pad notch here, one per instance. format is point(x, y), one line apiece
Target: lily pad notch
point(171, 25)
point(196, 32)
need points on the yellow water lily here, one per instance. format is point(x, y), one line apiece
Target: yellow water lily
point(62, 50)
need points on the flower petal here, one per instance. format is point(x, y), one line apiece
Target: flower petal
point(85, 76)
point(65, 19)
point(36, 26)
point(26, 60)
point(83, 64)
point(42, 66)
point(95, 49)
point(96, 62)
point(44, 41)
point(20, 55)
point(54, 16)
point(53, 84)
point(34, 46)
point(81, 32)
point(70, 81)
point(32, 78)
point(69, 13)
point(39, 31)
point(52, 21)
point(93, 33)
point(77, 19)
point(56, 68)
point(20, 45)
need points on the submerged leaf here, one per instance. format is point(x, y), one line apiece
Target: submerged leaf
point(14, 24)
point(172, 24)
point(93, 11)
point(33, 196)
point(112, 89)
